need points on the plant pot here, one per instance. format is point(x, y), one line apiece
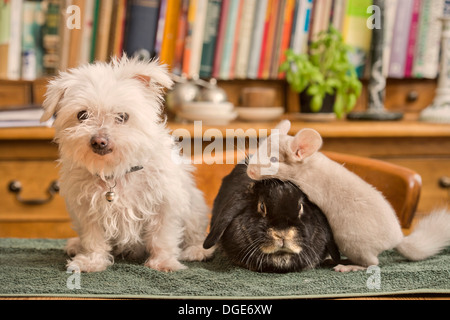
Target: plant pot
point(326, 113)
point(305, 102)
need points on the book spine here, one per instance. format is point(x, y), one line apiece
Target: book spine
point(162, 17)
point(86, 32)
point(210, 38)
point(286, 33)
point(426, 59)
point(221, 38)
point(15, 42)
point(170, 32)
point(356, 34)
point(235, 43)
point(388, 25)
point(256, 40)
point(278, 37)
point(229, 40)
point(30, 47)
point(188, 40)
point(265, 39)
point(412, 38)
point(141, 29)
point(197, 38)
point(180, 38)
point(399, 40)
point(245, 34)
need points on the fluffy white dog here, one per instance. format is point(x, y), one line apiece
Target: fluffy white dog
point(125, 192)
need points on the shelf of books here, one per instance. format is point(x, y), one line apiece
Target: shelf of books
point(224, 39)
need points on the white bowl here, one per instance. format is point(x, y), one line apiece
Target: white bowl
point(207, 107)
point(259, 114)
point(209, 118)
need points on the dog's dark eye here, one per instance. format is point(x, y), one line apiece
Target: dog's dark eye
point(122, 117)
point(273, 159)
point(82, 115)
point(262, 208)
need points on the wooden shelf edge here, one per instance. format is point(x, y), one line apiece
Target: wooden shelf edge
point(334, 129)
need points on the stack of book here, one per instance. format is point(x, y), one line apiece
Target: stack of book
point(225, 39)
point(23, 116)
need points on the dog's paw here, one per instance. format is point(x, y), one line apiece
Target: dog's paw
point(165, 265)
point(73, 246)
point(348, 268)
point(92, 262)
point(196, 253)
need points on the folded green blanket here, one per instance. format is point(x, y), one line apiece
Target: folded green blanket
point(36, 267)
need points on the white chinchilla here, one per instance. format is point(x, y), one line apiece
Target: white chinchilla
point(363, 222)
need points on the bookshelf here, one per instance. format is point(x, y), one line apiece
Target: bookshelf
point(225, 39)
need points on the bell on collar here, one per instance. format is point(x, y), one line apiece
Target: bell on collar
point(110, 196)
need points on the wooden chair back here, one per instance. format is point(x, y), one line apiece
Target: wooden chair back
point(400, 186)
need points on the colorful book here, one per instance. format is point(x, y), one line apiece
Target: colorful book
point(161, 24)
point(197, 38)
point(412, 38)
point(244, 38)
point(301, 26)
point(141, 28)
point(400, 39)
point(5, 13)
point(210, 37)
point(278, 37)
point(170, 32)
point(102, 52)
point(426, 56)
point(177, 64)
point(188, 40)
point(356, 33)
point(15, 40)
point(221, 38)
point(228, 43)
point(268, 36)
point(31, 46)
point(390, 10)
point(117, 36)
point(285, 35)
point(256, 40)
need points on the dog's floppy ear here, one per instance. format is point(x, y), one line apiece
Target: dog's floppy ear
point(305, 143)
point(54, 94)
point(222, 218)
point(151, 73)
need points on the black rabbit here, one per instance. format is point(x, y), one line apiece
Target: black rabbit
point(269, 225)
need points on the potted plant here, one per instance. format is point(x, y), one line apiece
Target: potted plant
point(325, 75)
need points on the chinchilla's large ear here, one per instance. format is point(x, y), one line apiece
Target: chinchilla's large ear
point(305, 143)
point(222, 217)
point(283, 127)
point(54, 94)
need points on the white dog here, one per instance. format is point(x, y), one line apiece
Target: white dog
point(125, 192)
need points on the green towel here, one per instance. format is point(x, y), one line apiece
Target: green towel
point(36, 267)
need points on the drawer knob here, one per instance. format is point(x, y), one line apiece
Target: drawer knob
point(15, 186)
point(444, 182)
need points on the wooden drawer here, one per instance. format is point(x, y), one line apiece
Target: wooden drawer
point(19, 219)
point(431, 170)
point(14, 93)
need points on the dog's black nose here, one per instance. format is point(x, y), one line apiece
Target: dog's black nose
point(99, 142)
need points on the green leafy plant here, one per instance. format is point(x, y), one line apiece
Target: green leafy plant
point(325, 70)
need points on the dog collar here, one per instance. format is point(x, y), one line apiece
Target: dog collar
point(110, 195)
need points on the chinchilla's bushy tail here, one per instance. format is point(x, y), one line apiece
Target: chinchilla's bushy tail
point(429, 237)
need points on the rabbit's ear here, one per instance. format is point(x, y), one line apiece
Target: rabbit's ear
point(222, 219)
